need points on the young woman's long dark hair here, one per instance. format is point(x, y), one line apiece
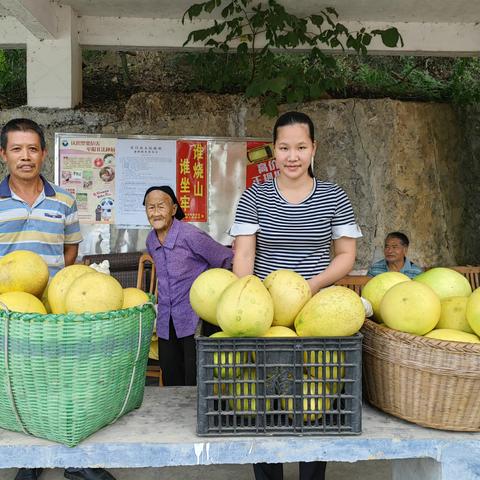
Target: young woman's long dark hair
point(293, 118)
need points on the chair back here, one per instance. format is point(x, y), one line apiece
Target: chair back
point(353, 282)
point(123, 266)
point(472, 274)
point(147, 281)
point(146, 275)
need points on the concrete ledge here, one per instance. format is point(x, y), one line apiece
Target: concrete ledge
point(162, 433)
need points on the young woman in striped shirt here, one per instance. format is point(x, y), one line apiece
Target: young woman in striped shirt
point(290, 223)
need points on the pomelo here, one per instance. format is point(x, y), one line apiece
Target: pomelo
point(289, 292)
point(332, 368)
point(133, 297)
point(445, 282)
point(453, 335)
point(454, 314)
point(245, 308)
point(226, 363)
point(411, 307)
point(206, 291)
point(332, 312)
point(312, 401)
point(279, 331)
point(23, 271)
point(473, 311)
point(44, 299)
point(94, 292)
point(61, 282)
point(375, 289)
point(246, 392)
point(22, 302)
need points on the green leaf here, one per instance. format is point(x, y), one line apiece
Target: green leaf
point(256, 88)
point(366, 39)
point(242, 48)
point(269, 107)
point(391, 37)
point(316, 91)
point(332, 11)
point(316, 20)
point(210, 6)
point(276, 85)
point(194, 11)
point(334, 42)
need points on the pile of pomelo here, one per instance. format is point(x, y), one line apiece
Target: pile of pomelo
point(438, 303)
point(281, 305)
point(25, 287)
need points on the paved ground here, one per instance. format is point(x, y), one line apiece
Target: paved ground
point(371, 470)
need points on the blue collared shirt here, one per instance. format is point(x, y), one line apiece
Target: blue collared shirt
point(409, 268)
point(43, 228)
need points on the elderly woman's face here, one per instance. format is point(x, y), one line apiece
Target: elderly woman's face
point(160, 210)
point(394, 250)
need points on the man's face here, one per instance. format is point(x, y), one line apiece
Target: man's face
point(395, 250)
point(160, 210)
point(23, 155)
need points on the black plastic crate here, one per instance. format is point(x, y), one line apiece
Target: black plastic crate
point(279, 386)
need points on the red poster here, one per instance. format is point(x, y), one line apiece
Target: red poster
point(261, 163)
point(192, 179)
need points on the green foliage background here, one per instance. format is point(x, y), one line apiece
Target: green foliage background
point(439, 79)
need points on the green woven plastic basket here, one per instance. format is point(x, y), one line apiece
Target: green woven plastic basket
point(63, 377)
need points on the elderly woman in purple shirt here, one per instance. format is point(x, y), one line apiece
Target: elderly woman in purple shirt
point(180, 252)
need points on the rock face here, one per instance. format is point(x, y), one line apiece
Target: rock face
point(405, 166)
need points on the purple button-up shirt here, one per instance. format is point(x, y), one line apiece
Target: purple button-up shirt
point(185, 254)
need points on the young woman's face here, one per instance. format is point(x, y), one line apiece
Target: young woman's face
point(294, 150)
point(160, 210)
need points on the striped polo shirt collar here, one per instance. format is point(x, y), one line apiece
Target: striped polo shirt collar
point(5, 190)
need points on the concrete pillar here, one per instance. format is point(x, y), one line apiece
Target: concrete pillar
point(54, 66)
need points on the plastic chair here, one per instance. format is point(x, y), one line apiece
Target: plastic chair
point(354, 282)
point(472, 274)
point(147, 281)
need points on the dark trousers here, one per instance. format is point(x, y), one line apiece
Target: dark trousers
point(178, 359)
point(274, 471)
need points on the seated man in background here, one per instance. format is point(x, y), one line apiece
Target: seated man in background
point(395, 251)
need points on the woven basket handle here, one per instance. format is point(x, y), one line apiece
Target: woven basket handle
point(132, 377)
point(7, 369)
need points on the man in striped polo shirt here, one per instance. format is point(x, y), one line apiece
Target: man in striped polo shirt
point(34, 214)
point(37, 216)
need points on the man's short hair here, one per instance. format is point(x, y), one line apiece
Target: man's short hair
point(21, 125)
point(401, 236)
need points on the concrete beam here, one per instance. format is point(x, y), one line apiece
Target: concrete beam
point(54, 67)
point(37, 16)
point(12, 33)
point(449, 39)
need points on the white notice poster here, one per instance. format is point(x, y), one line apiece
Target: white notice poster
point(140, 165)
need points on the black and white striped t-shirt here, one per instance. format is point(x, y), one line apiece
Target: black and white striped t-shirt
point(294, 236)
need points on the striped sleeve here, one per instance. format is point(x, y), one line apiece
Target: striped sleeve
point(246, 216)
point(72, 225)
point(343, 222)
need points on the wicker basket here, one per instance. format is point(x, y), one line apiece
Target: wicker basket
point(426, 381)
point(63, 377)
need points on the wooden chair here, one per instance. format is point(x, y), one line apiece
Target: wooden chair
point(354, 282)
point(472, 274)
point(147, 281)
point(146, 275)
